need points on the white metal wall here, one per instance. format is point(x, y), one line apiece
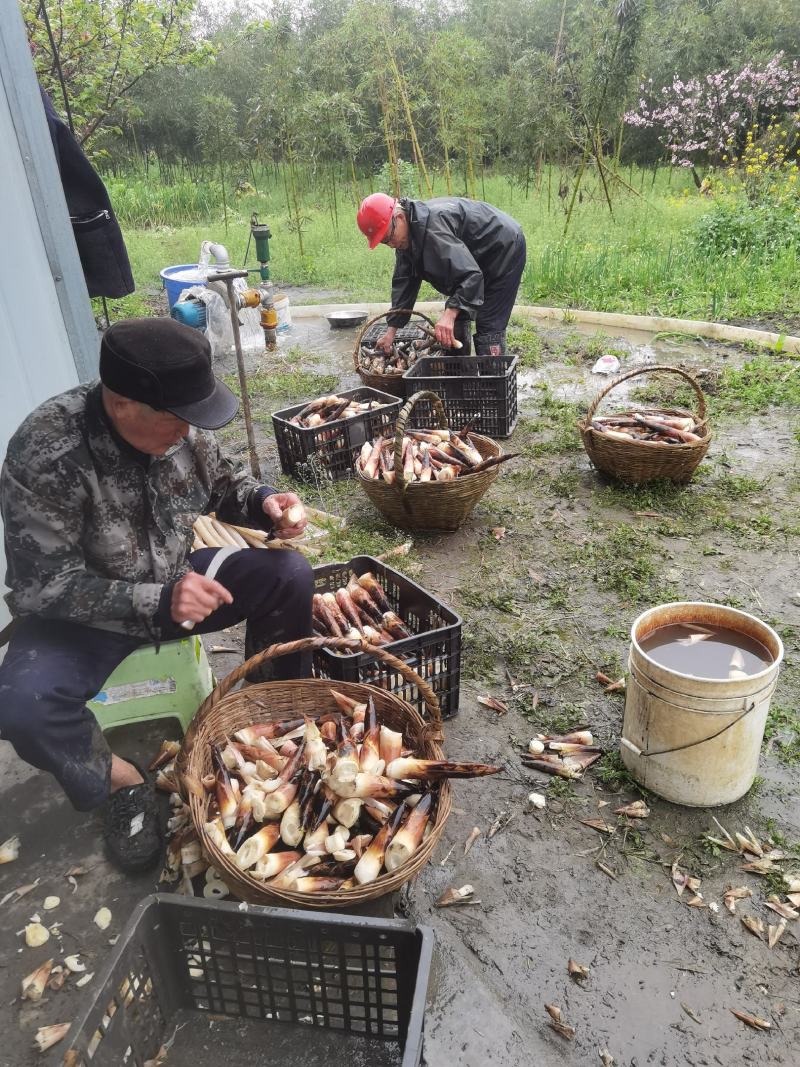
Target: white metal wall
point(48, 341)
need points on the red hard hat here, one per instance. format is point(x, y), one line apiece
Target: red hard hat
point(374, 217)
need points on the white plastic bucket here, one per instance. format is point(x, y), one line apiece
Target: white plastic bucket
point(696, 741)
point(281, 302)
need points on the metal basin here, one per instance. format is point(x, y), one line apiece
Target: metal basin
point(344, 320)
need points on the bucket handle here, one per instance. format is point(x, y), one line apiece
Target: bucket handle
point(680, 748)
point(690, 744)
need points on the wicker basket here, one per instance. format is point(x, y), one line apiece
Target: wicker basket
point(433, 506)
point(388, 383)
point(224, 712)
point(645, 461)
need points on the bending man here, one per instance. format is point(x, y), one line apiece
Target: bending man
point(99, 492)
point(467, 250)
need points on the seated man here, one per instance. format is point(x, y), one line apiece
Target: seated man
point(99, 491)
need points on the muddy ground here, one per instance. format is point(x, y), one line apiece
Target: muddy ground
point(545, 607)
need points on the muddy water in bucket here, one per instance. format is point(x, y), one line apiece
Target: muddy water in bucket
point(706, 651)
point(701, 681)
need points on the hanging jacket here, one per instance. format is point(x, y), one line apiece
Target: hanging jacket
point(101, 248)
point(459, 246)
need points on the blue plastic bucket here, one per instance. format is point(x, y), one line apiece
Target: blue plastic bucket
point(175, 288)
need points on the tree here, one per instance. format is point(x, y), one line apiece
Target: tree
point(707, 118)
point(93, 53)
point(456, 72)
point(216, 134)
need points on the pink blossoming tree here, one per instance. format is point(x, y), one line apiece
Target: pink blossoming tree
point(704, 119)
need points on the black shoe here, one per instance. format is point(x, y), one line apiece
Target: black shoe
point(132, 827)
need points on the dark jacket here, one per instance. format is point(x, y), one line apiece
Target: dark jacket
point(92, 533)
point(97, 234)
point(459, 246)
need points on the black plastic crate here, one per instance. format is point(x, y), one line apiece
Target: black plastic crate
point(254, 985)
point(329, 452)
point(434, 650)
point(468, 386)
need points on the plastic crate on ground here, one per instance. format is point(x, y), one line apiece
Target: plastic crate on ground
point(468, 386)
point(246, 984)
point(434, 650)
point(329, 452)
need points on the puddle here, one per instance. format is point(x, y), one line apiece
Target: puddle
point(575, 382)
point(311, 344)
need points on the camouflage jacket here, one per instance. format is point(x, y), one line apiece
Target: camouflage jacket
point(93, 532)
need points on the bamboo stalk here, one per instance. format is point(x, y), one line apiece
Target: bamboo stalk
point(401, 88)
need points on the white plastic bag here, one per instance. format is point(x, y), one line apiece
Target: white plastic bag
point(606, 365)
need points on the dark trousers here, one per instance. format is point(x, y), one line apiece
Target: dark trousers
point(52, 667)
point(499, 297)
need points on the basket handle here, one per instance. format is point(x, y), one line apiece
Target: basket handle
point(302, 645)
point(377, 318)
point(701, 400)
point(400, 431)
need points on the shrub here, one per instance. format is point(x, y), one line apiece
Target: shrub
point(735, 226)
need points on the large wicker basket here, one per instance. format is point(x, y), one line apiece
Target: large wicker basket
point(388, 383)
point(430, 506)
point(224, 712)
point(645, 461)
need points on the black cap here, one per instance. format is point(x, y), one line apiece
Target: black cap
point(167, 365)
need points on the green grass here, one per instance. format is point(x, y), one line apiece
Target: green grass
point(763, 382)
point(628, 561)
point(644, 260)
point(713, 501)
point(284, 385)
point(546, 720)
point(526, 341)
point(783, 728)
point(552, 432)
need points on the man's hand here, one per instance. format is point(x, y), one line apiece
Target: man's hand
point(287, 514)
point(444, 328)
point(386, 341)
point(194, 597)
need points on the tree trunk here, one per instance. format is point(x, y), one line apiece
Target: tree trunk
point(295, 201)
point(221, 161)
point(444, 139)
point(470, 171)
point(334, 202)
point(354, 180)
point(401, 88)
point(390, 149)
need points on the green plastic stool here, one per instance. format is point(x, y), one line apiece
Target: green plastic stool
point(170, 683)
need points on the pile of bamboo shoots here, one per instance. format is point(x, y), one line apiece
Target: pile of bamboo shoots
point(403, 354)
point(427, 455)
point(331, 408)
point(563, 755)
point(210, 532)
point(658, 426)
point(313, 804)
point(360, 610)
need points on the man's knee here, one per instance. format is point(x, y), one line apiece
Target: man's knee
point(298, 577)
point(289, 578)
